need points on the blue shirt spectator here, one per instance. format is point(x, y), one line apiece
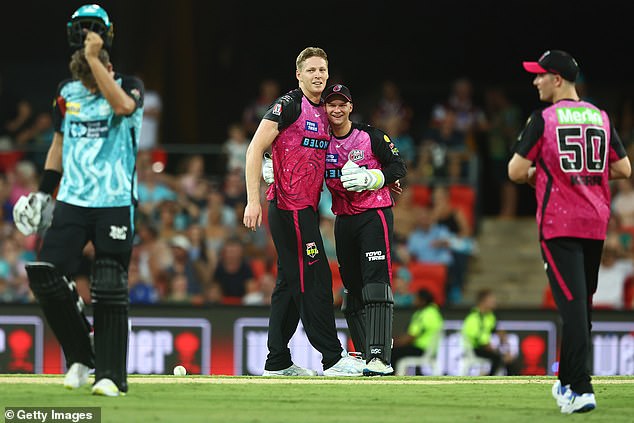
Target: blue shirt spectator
point(429, 243)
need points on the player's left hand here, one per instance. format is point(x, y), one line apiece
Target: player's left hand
point(395, 187)
point(532, 176)
point(356, 178)
point(92, 44)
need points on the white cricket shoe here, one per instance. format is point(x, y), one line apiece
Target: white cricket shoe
point(348, 365)
point(107, 388)
point(561, 394)
point(293, 370)
point(579, 403)
point(76, 376)
point(376, 367)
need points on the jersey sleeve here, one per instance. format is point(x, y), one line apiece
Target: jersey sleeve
point(134, 88)
point(617, 150)
point(285, 110)
point(529, 141)
point(383, 148)
point(59, 108)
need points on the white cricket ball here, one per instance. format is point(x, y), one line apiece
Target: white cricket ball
point(180, 371)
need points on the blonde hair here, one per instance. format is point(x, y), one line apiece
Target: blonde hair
point(309, 52)
point(80, 69)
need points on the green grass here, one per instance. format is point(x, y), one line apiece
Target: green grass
point(371, 401)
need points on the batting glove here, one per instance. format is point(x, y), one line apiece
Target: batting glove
point(267, 169)
point(33, 213)
point(356, 178)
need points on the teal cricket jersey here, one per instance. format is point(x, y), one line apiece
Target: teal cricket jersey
point(99, 150)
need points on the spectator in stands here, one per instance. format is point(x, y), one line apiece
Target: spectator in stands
point(213, 294)
point(14, 114)
point(477, 329)
point(234, 189)
point(198, 254)
point(152, 109)
point(141, 291)
point(423, 332)
point(623, 202)
point(403, 298)
point(262, 292)
point(404, 213)
point(429, 242)
point(23, 180)
point(6, 206)
point(390, 108)
point(235, 148)
point(233, 272)
point(183, 265)
point(613, 272)
point(446, 146)
point(253, 113)
point(37, 136)
point(469, 118)
point(617, 238)
point(154, 255)
point(178, 289)
point(219, 220)
point(460, 241)
point(12, 263)
point(152, 191)
point(505, 123)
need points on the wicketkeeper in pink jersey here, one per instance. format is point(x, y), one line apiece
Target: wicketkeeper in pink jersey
point(569, 151)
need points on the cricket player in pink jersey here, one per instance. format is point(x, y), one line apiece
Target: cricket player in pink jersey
point(569, 151)
point(361, 163)
point(296, 129)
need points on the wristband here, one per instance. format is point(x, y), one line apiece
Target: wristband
point(50, 180)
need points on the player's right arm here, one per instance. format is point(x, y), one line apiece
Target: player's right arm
point(262, 139)
point(527, 150)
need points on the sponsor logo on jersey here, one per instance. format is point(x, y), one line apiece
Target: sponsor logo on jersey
point(135, 93)
point(394, 149)
point(332, 158)
point(312, 126)
point(90, 129)
point(73, 108)
point(311, 249)
point(277, 109)
point(579, 116)
point(375, 255)
point(356, 155)
point(315, 143)
point(118, 232)
point(386, 138)
point(332, 174)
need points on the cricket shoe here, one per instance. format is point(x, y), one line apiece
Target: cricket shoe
point(377, 367)
point(293, 370)
point(348, 365)
point(76, 376)
point(579, 403)
point(106, 388)
point(561, 394)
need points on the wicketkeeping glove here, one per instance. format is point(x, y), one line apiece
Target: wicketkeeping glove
point(33, 213)
point(356, 178)
point(267, 169)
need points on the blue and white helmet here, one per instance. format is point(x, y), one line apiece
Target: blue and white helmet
point(90, 17)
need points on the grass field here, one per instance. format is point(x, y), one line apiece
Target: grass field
point(369, 400)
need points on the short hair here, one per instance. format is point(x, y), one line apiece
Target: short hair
point(309, 52)
point(426, 296)
point(483, 294)
point(80, 69)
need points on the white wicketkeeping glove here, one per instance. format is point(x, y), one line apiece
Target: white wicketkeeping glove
point(267, 169)
point(356, 178)
point(33, 213)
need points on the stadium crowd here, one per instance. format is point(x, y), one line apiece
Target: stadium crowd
point(190, 245)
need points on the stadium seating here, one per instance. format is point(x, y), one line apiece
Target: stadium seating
point(429, 276)
point(463, 197)
point(421, 194)
point(429, 360)
point(628, 293)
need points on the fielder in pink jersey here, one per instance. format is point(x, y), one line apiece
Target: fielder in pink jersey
point(360, 164)
point(569, 151)
point(296, 129)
